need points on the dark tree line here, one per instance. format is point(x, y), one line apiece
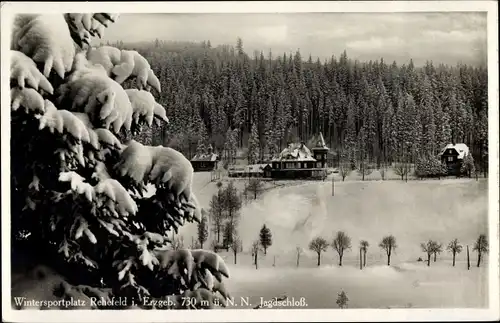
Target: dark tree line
point(374, 111)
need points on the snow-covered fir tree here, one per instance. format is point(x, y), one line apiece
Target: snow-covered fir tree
point(203, 230)
point(265, 238)
point(78, 181)
point(253, 145)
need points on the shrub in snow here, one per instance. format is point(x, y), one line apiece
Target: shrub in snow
point(78, 192)
point(429, 166)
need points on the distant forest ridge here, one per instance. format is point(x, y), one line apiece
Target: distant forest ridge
point(373, 111)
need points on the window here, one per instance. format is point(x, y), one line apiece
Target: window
point(450, 159)
point(318, 164)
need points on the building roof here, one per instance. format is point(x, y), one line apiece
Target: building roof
point(320, 142)
point(295, 152)
point(204, 157)
point(461, 149)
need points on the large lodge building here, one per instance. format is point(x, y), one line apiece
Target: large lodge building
point(298, 162)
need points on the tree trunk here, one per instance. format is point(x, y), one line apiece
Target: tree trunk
point(319, 258)
point(235, 253)
point(478, 258)
point(298, 257)
point(255, 260)
point(435, 254)
point(360, 258)
point(428, 260)
point(468, 259)
point(340, 260)
point(364, 259)
point(265, 250)
point(454, 259)
point(389, 258)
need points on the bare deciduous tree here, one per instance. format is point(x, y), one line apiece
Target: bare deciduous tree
point(318, 245)
point(428, 248)
point(402, 169)
point(383, 172)
point(255, 252)
point(299, 251)
point(438, 248)
point(454, 247)
point(236, 245)
point(388, 244)
point(341, 243)
point(344, 170)
point(364, 169)
point(481, 246)
point(255, 187)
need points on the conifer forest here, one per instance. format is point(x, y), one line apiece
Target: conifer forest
point(375, 111)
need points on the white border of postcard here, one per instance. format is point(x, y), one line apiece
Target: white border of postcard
point(226, 315)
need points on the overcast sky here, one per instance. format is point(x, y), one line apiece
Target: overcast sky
point(440, 37)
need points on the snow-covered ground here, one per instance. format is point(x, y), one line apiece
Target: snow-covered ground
point(413, 212)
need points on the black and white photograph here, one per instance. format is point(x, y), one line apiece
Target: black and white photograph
point(249, 158)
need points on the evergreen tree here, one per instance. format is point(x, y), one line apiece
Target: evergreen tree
point(253, 145)
point(342, 300)
point(79, 181)
point(217, 213)
point(203, 230)
point(232, 205)
point(265, 237)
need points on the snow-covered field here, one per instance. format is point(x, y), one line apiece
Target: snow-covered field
point(413, 212)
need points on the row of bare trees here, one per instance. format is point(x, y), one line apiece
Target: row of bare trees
point(433, 248)
point(342, 243)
